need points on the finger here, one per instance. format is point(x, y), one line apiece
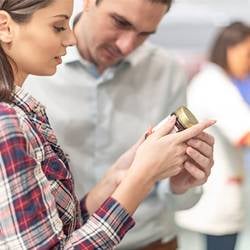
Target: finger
point(195, 172)
point(209, 139)
point(166, 127)
point(203, 147)
point(193, 131)
point(139, 142)
point(200, 159)
point(170, 173)
point(148, 133)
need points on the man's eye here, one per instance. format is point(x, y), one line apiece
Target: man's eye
point(120, 23)
point(59, 29)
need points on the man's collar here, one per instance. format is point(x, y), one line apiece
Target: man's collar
point(72, 55)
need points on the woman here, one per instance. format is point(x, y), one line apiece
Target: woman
point(219, 215)
point(38, 207)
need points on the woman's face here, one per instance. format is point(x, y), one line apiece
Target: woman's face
point(238, 58)
point(38, 45)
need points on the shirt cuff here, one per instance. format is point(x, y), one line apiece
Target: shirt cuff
point(115, 216)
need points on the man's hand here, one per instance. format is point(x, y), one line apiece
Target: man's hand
point(198, 167)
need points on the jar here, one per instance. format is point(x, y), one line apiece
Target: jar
point(184, 119)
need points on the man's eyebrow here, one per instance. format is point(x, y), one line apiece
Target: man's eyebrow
point(63, 16)
point(128, 23)
point(122, 19)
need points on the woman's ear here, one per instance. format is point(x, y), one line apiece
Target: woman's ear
point(6, 34)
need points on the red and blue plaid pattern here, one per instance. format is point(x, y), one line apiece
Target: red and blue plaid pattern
point(38, 207)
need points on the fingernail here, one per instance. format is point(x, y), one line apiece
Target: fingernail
point(172, 118)
point(149, 132)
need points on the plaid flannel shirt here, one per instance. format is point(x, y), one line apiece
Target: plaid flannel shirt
point(38, 208)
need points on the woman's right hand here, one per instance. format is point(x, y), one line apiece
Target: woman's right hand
point(163, 154)
point(160, 156)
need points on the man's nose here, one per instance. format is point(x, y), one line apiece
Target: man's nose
point(127, 42)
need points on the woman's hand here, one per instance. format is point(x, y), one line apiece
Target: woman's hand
point(161, 156)
point(111, 179)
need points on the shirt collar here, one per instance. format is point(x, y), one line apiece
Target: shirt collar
point(72, 55)
point(27, 103)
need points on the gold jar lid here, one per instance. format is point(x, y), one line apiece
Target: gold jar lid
point(185, 117)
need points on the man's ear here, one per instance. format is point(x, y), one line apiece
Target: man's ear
point(6, 33)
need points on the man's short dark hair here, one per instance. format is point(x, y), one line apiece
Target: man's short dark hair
point(167, 2)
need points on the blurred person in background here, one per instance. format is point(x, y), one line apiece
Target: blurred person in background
point(220, 214)
point(111, 87)
point(243, 86)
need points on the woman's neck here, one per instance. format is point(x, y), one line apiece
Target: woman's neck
point(20, 78)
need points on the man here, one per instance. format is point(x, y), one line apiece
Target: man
point(110, 89)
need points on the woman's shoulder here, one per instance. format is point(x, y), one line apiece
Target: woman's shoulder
point(7, 112)
point(6, 109)
point(10, 116)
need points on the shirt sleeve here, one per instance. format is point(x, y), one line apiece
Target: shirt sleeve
point(178, 201)
point(28, 212)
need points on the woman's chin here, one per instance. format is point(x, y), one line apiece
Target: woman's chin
point(45, 72)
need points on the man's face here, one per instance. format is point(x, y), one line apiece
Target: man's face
point(114, 28)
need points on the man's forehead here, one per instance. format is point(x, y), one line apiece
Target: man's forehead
point(165, 4)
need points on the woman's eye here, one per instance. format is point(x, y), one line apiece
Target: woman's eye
point(59, 29)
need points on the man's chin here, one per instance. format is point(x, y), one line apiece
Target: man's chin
point(109, 63)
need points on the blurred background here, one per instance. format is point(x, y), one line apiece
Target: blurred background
point(188, 30)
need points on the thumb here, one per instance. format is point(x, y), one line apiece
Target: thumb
point(166, 127)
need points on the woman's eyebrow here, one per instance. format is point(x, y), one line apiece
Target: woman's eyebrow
point(63, 16)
